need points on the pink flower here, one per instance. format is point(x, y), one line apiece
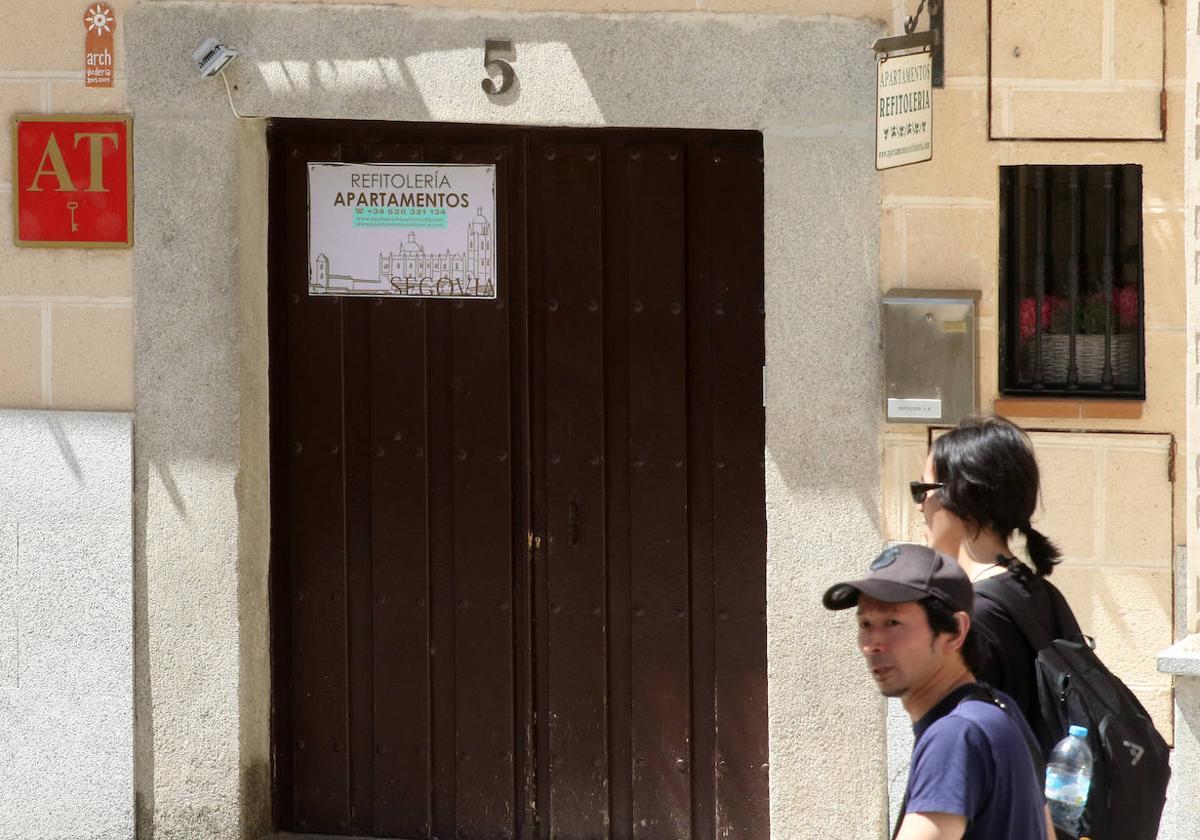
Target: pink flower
point(1029, 316)
point(1125, 303)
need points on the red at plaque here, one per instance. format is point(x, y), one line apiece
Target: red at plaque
point(73, 180)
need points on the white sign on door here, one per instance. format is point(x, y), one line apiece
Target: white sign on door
point(402, 230)
point(904, 116)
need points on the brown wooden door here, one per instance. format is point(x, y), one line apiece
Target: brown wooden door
point(519, 545)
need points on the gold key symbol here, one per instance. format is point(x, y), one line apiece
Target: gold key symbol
point(71, 205)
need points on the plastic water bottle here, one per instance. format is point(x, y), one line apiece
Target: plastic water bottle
point(1068, 778)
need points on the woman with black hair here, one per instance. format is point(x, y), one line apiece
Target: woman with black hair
point(980, 487)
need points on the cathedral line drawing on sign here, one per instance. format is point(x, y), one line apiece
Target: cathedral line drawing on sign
point(409, 271)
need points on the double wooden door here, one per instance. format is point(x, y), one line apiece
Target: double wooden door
point(518, 546)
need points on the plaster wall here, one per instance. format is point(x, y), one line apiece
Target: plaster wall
point(252, 485)
point(186, 468)
point(200, 344)
point(66, 608)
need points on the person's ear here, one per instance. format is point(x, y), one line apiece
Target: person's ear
point(957, 640)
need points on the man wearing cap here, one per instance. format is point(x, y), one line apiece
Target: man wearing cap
point(973, 773)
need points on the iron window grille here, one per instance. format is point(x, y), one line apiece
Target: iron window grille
point(1071, 290)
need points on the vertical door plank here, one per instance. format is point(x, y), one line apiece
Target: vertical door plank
point(702, 226)
point(483, 558)
point(442, 522)
point(357, 460)
point(285, 256)
point(537, 615)
point(736, 261)
point(400, 558)
point(512, 262)
point(317, 529)
point(657, 441)
point(617, 309)
point(357, 472)
point(571, 224)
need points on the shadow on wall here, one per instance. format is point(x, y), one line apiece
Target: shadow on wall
point(296, 79)
point(679, 70)
point(143, 696)
point(809, 81)
point(64, 446)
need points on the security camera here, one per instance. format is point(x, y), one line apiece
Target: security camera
point(212, 56)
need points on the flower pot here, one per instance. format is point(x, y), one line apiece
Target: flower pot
point(1089, 358)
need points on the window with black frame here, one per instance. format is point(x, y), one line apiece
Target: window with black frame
point(1071, 302)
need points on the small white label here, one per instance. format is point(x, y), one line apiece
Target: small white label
point(914, 409)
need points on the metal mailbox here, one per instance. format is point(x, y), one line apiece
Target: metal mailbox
point(930, 355)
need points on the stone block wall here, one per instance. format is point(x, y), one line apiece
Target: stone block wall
point(1183, 658)
point(66, 315)
point(1076, 68)
point(940, 229)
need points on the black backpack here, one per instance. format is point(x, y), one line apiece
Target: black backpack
point(1131, 760)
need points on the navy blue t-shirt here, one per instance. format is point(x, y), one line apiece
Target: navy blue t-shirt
point(971, 759)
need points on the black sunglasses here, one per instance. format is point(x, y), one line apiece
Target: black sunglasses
point(920, 490)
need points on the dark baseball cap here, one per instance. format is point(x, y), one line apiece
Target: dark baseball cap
point(907, 572)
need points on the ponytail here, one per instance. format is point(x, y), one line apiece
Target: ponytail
point(990, 480)
point(1044, 554)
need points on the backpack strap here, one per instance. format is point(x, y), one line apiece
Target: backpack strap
point(1068, 625)
point(985, 693)
point(1019, 609)
point(1019, 606)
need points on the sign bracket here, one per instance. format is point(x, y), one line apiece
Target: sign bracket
point(932, 39)
point(937, 25)
point(904, 43)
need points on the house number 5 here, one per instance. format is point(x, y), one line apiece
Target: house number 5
point(498, 66)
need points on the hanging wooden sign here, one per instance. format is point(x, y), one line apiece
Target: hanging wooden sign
point(904, 83)
point(904, 113)
point(98, 55)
